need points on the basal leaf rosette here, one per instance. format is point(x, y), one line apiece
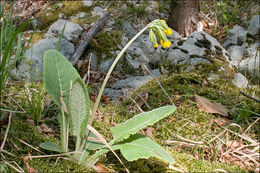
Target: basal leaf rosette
point(160, 29)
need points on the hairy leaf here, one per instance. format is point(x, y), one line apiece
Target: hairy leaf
point(58, 72)
point(140, 146)
point(79, 107)
point(51, 147)
point(124, 130)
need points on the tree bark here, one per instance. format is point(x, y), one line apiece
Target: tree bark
point(184, 16)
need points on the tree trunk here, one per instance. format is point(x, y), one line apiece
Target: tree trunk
point(184, 16)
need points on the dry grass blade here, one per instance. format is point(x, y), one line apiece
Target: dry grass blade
point(105, 142)
point(140, 109)
point(251, 125)
point(88, 73)
point(9, 164)
point(12, 111)
point(28, 145)
point(53, 155)
point(6, 132)
point(158, 83)
point(141, 98)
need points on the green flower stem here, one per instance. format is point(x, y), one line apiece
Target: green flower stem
point(91, 118)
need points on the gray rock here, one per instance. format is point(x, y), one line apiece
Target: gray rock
point(176, 56)
point(124, 41)
point(112, 93)
point(235, 36)
point(198, 48)
point(254, 27)
point(192, 49)
point(128, 29)
point(31, 67)
point(97, 11)
point(236, 53)
point(87, 3)
point(35, 23)
point(132, 82)
point(240, 81)
point(105, 65)
point(252, 50)
point(251, 66)
point(71, 32)
point(79, 15)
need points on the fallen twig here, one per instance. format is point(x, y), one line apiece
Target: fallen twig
point(250, 97)
point(29, 145)
point(6, 132)
point(158, 83)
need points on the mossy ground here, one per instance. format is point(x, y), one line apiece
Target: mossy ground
point(187, 121)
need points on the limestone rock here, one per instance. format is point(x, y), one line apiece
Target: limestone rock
point(235, 36)
point(254, 27)
point(240, 81)
point(236, 53)
point(31, 67)
point(71, 32)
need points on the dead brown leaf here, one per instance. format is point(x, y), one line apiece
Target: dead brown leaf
point(29, 168)
point(149, 132)
point(233, 144)
point(100, 168)
point(210, 107)
point(106, 119)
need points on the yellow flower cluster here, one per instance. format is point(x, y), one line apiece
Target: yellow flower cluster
point(161, 29)
point(165, 44)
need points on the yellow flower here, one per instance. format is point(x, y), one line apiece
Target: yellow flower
point(155, 45)
point(165, 44)
point(168, 43)
point(163, 21)
point(168, 32)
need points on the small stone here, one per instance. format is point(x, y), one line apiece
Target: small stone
point(105, 65)
point(87, 3)
point(254, 27)
point(236, 53)
point(240, 80)
point(97, 11)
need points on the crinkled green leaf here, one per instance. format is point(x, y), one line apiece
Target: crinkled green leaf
point(140, 146)
point(124, 130)
point(79, 107)
point(51, 147)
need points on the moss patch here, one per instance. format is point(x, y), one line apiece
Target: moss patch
point(50, 13)
point(106, 42)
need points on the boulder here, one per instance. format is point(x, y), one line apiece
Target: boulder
point(71, 32)
point(105, 65)
point(251, 66)
point(236, 53)
point(254, 27)
point(198, 48)
point(240, 80)
point(31, 67)
point(136, 81)
point(235, 36)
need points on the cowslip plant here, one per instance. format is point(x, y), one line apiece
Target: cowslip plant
point(70, 93)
